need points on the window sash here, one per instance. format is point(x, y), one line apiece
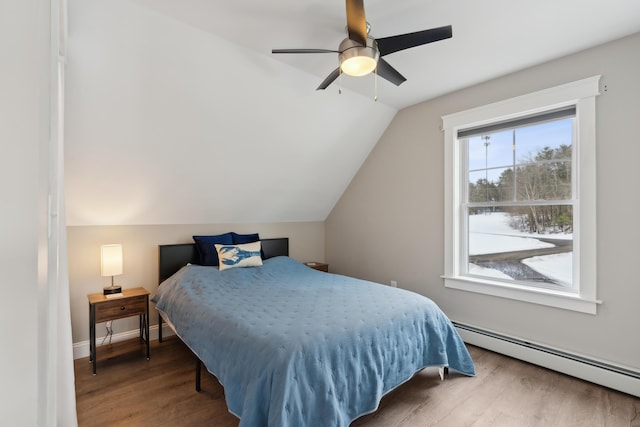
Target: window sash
point(526, 120)
point(532, 279)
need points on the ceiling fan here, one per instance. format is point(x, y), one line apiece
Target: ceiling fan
point(359, 54)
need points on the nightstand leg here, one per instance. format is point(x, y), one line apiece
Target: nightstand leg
point(92, 337)
point(146, 326)
point(198, 370)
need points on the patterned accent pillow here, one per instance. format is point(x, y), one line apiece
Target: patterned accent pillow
point(246, 238)
point(245, 255)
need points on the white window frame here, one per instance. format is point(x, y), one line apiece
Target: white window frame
point(582, 94)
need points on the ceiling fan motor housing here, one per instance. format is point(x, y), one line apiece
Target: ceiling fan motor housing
point(356, 59)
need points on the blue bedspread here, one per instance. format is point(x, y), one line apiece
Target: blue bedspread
point(295, 347)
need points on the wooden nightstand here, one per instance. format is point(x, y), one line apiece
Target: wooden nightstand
point(133, 302)
point(320, 266)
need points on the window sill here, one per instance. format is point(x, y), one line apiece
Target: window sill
point(552, 298)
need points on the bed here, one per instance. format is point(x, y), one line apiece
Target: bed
point(293, 346)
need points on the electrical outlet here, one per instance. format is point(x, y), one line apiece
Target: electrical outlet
point(394, 283)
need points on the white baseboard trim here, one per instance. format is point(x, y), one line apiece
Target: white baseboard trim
point(615, 377)
point(81, 349)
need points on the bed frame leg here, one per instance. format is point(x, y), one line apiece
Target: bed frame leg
point(159, 327)
point(443, 371)
point(198, 370)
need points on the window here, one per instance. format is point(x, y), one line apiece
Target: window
point(520, 198)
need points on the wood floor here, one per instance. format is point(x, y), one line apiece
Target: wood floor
point(131, 391)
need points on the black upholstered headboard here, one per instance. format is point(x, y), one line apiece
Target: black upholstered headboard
point(173, 257)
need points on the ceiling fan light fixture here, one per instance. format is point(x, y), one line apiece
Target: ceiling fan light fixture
point(357, 60)
point(359, 65)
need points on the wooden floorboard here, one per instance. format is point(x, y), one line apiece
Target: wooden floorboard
point(129, 390)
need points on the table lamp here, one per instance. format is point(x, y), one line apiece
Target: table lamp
point(111, 265)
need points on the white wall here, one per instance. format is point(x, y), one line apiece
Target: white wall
point(24, 115)
point(388, 225)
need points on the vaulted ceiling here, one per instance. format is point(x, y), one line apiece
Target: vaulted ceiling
point(177, 112)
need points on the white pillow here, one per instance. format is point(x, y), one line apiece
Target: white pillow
point(244, 255)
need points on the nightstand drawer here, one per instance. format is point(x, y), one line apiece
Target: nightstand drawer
point(121, 307)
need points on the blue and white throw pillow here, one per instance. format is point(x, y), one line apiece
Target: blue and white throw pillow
point(244, 255)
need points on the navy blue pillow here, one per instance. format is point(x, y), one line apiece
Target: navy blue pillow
point(239, 239)
point(207, 250)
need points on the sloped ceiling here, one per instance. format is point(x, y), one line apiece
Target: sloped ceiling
point(169, 124)
point(177, 113)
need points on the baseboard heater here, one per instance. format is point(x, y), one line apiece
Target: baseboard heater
point(606, 374)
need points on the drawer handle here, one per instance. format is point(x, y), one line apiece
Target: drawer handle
point(122, 307)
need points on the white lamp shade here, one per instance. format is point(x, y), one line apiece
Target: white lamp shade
point(111, 260)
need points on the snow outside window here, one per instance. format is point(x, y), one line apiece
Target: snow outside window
point(520, 198)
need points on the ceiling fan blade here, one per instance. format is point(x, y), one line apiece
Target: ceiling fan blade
point(356, 21)
point(303, 51)
point(330, 78)
point(387, 45)
point(387, 72)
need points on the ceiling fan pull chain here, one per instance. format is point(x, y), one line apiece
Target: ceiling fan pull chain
point(375, 84)
point(340, 83)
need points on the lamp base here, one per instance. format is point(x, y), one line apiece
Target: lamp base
point(108, 290)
